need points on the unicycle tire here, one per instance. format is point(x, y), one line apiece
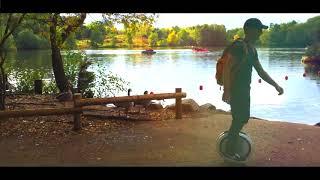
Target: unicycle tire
point(245, 146)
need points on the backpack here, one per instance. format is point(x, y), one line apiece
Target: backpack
point(223, 71)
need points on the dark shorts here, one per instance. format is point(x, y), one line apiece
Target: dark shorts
point(240, 106)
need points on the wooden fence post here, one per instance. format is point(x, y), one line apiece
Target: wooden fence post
point(77, 116)
point(178, 105)
point(38, 86)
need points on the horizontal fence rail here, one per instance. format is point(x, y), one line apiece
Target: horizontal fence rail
point(39, 112)
point(86, 102)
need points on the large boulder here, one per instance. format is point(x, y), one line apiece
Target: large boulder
point(318, 124)
point(207, 107)
point(188, 105)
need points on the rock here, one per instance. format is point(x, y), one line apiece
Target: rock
point(207, 107)
point(318, 124)
point(155, 106)
point(222, 111)
point(188, 105)
point(171, 107)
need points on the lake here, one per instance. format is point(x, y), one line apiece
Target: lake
point(172, 68)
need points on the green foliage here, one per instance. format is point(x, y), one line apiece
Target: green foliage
point(25, 79)
point(184, 38)
point(108, 84)
point(70, 42)
point(97, 33)
point(212, 35)
point(291, 34)
point(83, 32)
point(137, 25)
point(152, 39)
point(92, 84)
point(72, 63)
point(162, 43)
point(26, 39)
point(172, 39)
point(96, 38)
point(231, 33)
point(50, 87)
point(10, 44)
point(85, 80)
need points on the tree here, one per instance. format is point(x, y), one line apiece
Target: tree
point(131, 22)
point(97, 33)
point(152, 39)
point(172, 38)
point(183, 37)
point(26, 39)
point(8, 24)
point(60, 29)
point(70, 42)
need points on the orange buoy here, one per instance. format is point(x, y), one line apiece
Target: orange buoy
point(286, 77)
point(259, 80)
point(200, 87)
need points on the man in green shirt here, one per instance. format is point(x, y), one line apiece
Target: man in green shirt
point(244, 56)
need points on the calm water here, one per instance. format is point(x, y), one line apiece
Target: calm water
point(171, 68)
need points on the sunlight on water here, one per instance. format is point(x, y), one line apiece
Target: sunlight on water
point(168, 69)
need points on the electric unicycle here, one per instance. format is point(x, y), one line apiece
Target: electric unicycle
point(244, 147)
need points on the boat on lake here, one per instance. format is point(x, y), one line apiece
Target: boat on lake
point(200, 49)
point(148, 52)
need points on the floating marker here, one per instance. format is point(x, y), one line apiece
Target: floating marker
point(286, 77)
point(259, 80)
point(200, 87)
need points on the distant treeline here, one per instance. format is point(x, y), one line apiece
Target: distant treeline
point(35, 35)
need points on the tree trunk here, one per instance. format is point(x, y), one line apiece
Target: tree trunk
point(57, 63)
point(58, 70)
point(2, 89)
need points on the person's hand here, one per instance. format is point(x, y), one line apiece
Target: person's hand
point(226, 96)
point(279, 89)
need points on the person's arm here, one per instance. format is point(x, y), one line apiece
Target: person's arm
point(265, 76)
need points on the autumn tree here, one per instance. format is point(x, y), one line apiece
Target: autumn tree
point(60, 28)
point(8, 24)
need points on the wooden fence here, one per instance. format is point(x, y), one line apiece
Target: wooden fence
point(77, 110)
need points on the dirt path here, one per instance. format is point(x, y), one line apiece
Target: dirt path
point(185, 142)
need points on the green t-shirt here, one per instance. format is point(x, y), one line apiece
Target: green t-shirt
point(242, 77)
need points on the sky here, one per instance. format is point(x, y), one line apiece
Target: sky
point(230, 20)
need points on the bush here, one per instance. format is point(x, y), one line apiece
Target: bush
point(26, 39)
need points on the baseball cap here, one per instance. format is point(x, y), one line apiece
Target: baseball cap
point(254, 23)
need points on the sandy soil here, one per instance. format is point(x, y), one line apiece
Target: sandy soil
point(191, 141)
